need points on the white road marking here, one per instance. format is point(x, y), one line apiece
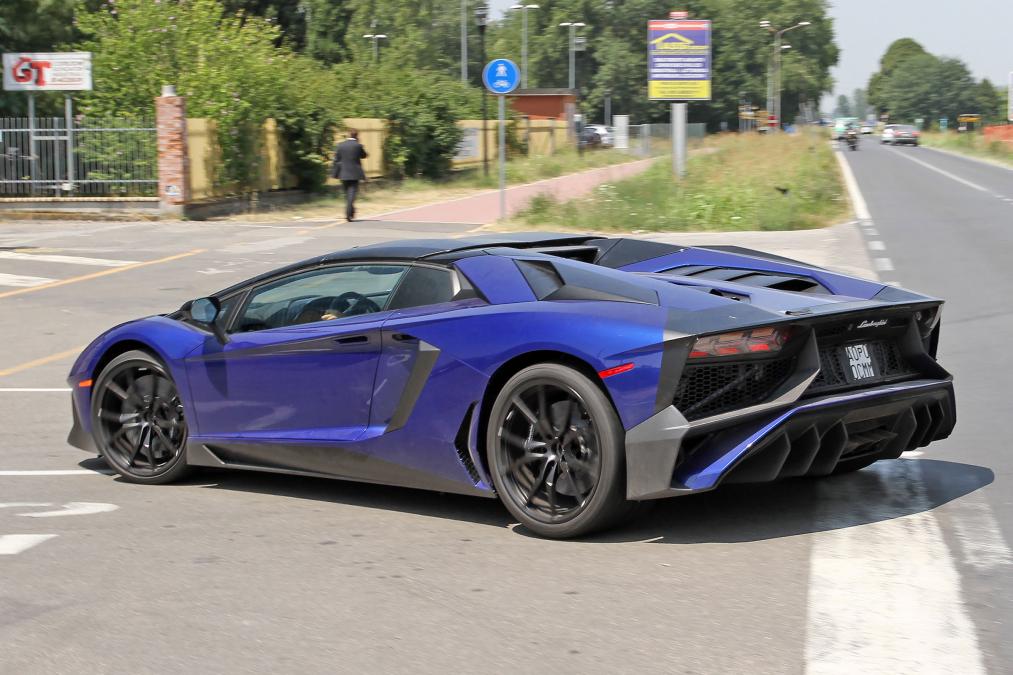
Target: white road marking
point(22, 280)
point(74, 509)
point(876, 245)
point(69, 259)
point(58, 472)
point(23, 505)
point(857, 200)
point(12, 544)
point(884, 597)
point(883, 264)
point(981, 542)
point(870, 230)
point(31, 390)
point(943, 172)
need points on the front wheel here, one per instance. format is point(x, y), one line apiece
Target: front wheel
point(556, 452)
point(138, 420)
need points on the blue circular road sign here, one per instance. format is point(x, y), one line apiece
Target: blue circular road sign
point(501, 76)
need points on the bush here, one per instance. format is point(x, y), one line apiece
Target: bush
point(228, 66)
point(422, 109)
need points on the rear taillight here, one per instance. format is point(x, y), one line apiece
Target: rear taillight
point(767, 340)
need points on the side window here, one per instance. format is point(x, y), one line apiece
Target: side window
point(424, 286)
point(326, 294)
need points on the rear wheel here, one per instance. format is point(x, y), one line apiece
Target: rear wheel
point(556, 452)
point(139, 425)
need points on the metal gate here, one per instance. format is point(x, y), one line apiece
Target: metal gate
point(44, 157)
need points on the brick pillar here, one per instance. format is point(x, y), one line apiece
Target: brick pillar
point(173, 159)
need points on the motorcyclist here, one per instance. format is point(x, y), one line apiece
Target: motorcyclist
point(851, 135)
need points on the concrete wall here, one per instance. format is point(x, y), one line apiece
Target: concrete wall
point(206, 158)
point(544, 137)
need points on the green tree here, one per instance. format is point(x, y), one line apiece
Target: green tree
point(898, 52)
point(843, 108)
point(859, 104)
point(991, 102)
point(33, 25)
point(229, 68)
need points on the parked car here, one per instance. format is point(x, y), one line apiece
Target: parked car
point(590, 138)
point(604, 133)
point(900, 134)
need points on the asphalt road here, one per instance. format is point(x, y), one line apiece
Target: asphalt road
point(903, 567)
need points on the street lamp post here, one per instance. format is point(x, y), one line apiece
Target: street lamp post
point(573, 26)
point(375, 37)
point(481, 16)
point(464, 41)
point(774, 79)
point(524, 41)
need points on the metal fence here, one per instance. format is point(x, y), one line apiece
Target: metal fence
point(649, 139)
point(43, 157)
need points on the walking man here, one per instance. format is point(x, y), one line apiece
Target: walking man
point(347, 168)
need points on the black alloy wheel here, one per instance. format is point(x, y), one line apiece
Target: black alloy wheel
point(139, 425)
point(556, 452)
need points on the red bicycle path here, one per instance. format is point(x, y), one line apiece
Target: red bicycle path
point(483, 208)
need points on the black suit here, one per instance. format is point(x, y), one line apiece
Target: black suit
point(347, 167)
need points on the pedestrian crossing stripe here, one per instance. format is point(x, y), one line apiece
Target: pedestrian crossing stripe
point(22, 280)
point(68, 259)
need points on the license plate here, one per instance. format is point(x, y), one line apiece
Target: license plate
point(857, 362)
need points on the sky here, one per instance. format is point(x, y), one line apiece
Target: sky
point(978, 32)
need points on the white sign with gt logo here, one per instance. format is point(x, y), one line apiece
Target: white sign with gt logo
point(37, 71)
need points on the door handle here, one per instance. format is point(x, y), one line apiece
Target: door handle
point(352, 340)
point(404, 337)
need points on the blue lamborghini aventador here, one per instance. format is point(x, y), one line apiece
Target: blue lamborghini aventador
point(572, 377)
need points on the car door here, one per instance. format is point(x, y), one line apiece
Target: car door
point(409, 350)
point(301, 358)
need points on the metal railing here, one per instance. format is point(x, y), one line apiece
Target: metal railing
point(44, 157)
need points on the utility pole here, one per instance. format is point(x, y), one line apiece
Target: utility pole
point(464, 41)
point(375, 37)
point(481, 16)
point(573, 26)
point(524, 41)
point(774, 78)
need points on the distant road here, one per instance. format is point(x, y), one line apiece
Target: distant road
point(943, 224)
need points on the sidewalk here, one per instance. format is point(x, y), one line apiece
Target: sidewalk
point(483, 208)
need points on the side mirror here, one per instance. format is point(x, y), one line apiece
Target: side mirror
point(205, 311)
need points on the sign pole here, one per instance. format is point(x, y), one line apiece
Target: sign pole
point(679, 70)
point(501, 77)
point(502, 157)
point(68, 123)
point(1009, 103)
point(679, 116)
point(32, 161)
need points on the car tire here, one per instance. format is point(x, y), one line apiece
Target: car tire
point(556, 452)
point(138, 422)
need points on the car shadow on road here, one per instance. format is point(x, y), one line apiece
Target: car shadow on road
point(743, 513)
point(732, 514)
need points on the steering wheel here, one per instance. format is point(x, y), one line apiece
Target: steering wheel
point(351, 303)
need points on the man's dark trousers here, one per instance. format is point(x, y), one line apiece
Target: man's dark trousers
point(351, 191)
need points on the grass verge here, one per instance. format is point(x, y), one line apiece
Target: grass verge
point(748, 182)
point(973, 144)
